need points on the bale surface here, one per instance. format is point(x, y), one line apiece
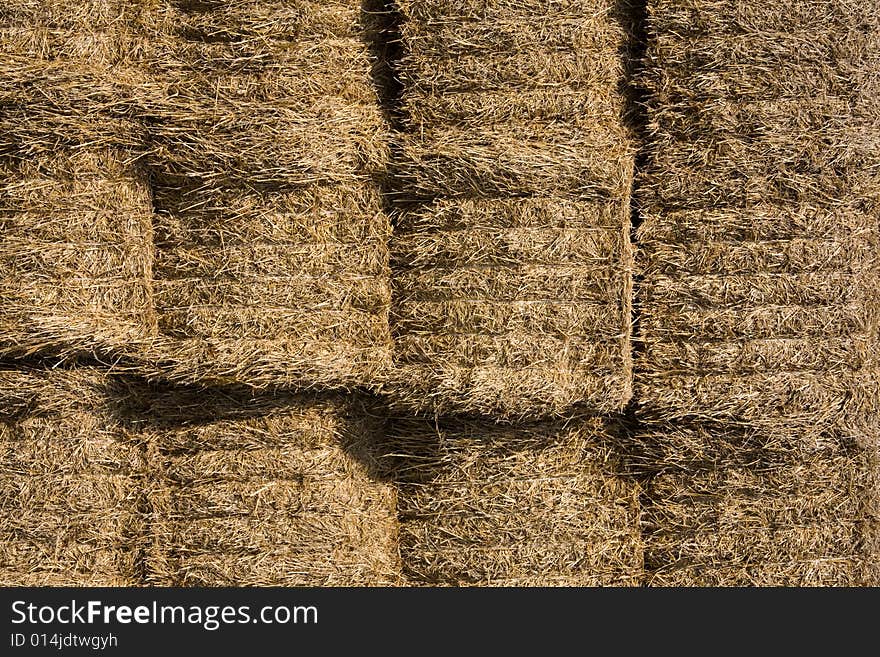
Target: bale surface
point(72, 483)
point(734, 506)
point(759, 242)
point(265, 492)
point(75, 254)
point(532, 505)
point(511, 253)
point(264, 137)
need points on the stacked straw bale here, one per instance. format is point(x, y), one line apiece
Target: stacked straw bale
point(71, 482)
point(758, 356)
point(736, 506)
point(75, 230)
point(265, 492)
point(511, 254)
point(538, 504)
point(760, 207)
point(265, 137)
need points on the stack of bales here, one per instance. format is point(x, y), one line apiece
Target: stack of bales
point(758, 364)
point(75, 236)
point(265, 136)
point(539, 504)
point(256, 492)
point(71, 483)
point(511, 254)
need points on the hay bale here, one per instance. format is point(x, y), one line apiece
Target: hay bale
point(75, 254)
point(759, 241)
point(265, 492)
point(75, 234)
point(528, 505)
point(93, 33)
point(734, 506)
point(71, 483)
point(264, 138)
point(511, 253)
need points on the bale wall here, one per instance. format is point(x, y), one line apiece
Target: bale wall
point(511, 253)
point(532, 505)
point(265, 136)
point(71, 483)
point(269, 492)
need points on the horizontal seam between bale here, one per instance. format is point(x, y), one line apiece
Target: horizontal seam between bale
point(188, 452)
point(799, 338)
point(575, 92)
point(769, 306)
point(514, 266)
point(444, 333)
point(300, 308)
point(781, 240)
point(177, 482)
point(587, 372)
point(756, 374)
point(359, 346)
point(428, 199)
point(79, 474)
point(300, 44)
point(581, 304)
point(692, 371)
point(804, 335)
point(848, 272)
point(235, 244)
point(412, 234)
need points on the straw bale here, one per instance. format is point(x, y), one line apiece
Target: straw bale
point(72, 481)
point(75, 208)
point(736, 506)
point(759, 239)
point(75, 254)
point(511, 255)
point(759, 324)
point(280, 491)
point(90, 33)
point(534, 504)
point(265, 137)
